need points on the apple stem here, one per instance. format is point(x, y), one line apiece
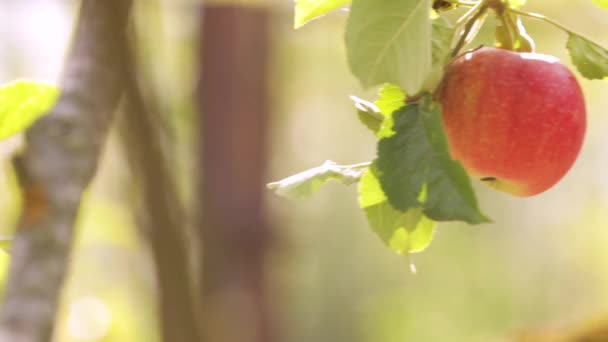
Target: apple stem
point(470, 19)
point(470, 13)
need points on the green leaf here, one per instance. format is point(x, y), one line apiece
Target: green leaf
point(590, 59)
point(441, 42)
point(415, 168)
point(368, 113)
point(307, 10)
point(404, 158)
point(304, 184)
point(391, 98)
point(448, 185)
point(22, 102)
point(403, 232)
point(389, 41)
point(442, 35)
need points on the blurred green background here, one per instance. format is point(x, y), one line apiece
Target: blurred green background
point(541, 264)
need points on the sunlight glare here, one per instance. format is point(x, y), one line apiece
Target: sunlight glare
point(89, 319)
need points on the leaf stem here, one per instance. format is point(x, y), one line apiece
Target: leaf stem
point(358, 166)
point(541, 17)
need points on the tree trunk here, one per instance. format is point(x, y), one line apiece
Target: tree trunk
point(234, 115)
point(59, 161)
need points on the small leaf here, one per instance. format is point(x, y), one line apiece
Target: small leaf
point(590, 59)
point(391, 98)
point(22, 102)
point(368, 113)
point(415, 168)
point(403, 232)
point(389, 41)
point(306, 183)
point(307, 10)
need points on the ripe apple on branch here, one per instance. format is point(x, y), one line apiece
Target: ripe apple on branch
point(509, 116)
point(515, 119)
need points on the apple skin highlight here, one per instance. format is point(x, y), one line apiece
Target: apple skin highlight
point(515, 120)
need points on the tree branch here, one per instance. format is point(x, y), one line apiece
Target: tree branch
point(57, 164)
point(162, 219)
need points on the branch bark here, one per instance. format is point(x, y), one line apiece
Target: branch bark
point(57, 164)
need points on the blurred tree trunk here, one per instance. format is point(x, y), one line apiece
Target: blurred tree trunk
point(234, 116)
point(59, 161)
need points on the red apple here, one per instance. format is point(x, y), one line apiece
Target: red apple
point(514, 120)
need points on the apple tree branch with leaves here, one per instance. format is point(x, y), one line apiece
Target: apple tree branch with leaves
point(447, 112)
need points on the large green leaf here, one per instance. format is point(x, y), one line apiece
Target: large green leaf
point(404, 158)
point(601, 3)
point(307, 10)
point(415, 157)
point(22, 102)
point(404, 232)
point(389, 41)
point(441, 42)
point(306, 183)
point(590, 59)
point(449, 192)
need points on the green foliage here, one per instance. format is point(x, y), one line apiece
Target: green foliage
point(373, 115)
point(22, 102)
point(403, 232)
point(390, 98)
point(590, 59)
point(416, 155)
point(306, 183)
point(601, 3)
point(388, 41)
point(441, 42)
point(405, 45)
point(307, 10)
